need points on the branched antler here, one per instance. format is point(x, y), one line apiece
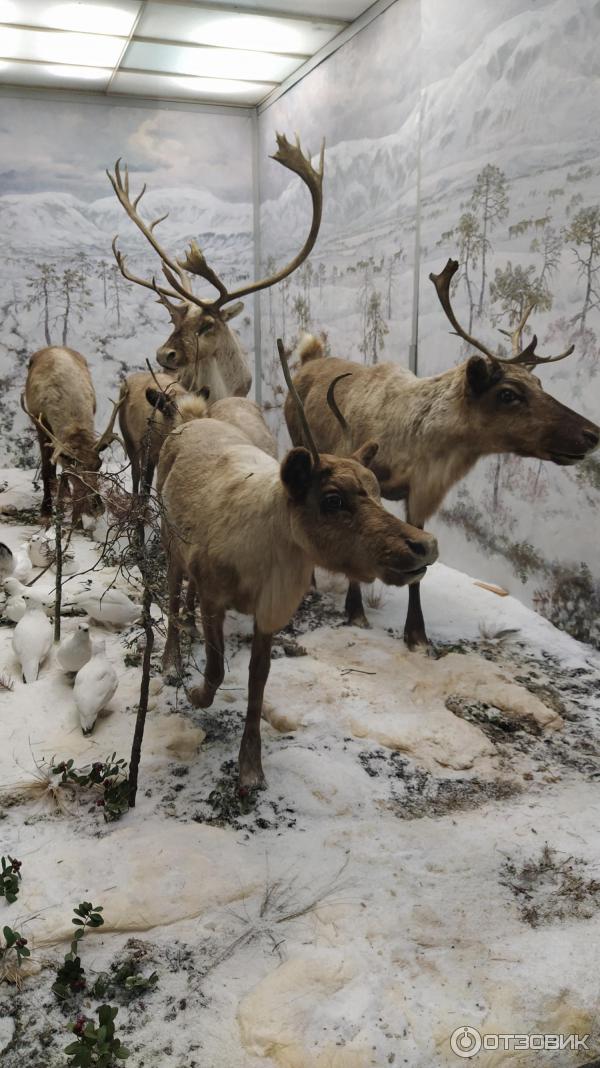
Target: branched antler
point(526, 357)
point(177, 271)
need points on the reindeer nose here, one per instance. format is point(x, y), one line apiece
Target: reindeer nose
point(426, 547)
point(591, 436)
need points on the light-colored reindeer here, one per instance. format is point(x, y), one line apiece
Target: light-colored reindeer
point(431, 431)
point(202, 349)
point(248, 533)
point(59, 399)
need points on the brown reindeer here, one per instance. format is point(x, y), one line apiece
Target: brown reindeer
point(148, 414)
point(249, 532)
point(431, 431)
point(202, 349)
point(59, 399)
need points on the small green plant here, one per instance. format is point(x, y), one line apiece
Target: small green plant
point(109, 776)
point(96, 1046)
point(10, 877)
point(14, 945)
point(70, 977)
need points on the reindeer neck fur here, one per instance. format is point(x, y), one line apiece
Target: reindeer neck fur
point(426, 439)
point(225, 373)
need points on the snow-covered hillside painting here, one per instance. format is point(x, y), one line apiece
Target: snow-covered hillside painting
point(357, 284)
point(59, 283)
point(510, 186)
point(507, 175)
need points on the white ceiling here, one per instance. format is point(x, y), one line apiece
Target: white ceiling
point(218, 51)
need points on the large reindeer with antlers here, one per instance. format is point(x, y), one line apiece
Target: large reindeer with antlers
point(248, 532)
point(431, 431)
point(203, 350)
point(59, 399)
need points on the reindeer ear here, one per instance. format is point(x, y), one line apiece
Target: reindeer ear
point(157, 399)
point(366, 454)
point(230, 313)
point(204, 392)
point(296, 471)
point(482, 373)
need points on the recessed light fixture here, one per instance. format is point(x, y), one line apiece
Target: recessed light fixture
point(83, 74)
point(86, 16)
point(86, 50)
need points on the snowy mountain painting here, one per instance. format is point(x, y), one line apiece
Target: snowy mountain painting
point(506, 98)
point(59, 283)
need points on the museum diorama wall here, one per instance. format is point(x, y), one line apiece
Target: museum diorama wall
point(464, 130)
point(59, 283)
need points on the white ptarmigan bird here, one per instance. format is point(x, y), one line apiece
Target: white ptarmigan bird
point(15, 599)
point(42, 552)
point(76, 650)
point(108, 606)
point(95, 684)
point(32, 639)
point(16, 565)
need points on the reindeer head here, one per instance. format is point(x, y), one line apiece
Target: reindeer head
point(200, 329)
point(337, 515)
point(507, 408)
point(198, 334)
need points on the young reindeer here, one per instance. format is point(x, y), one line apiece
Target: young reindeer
point(59, 399)
point(432, 431)
point(203, 350)
point(148, 414)
point(248, 533)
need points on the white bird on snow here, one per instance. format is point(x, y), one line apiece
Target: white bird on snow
point(76, 650)
point(15, 599)
point(109, 606)
point(42, 552)
point(95, 684)
point(32, 639)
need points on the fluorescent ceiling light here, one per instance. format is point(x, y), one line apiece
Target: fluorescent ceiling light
point(84, 50)
point(234, 29)
point(209, 62)
point(224, 91)
point(53, 75)
point(88, 16)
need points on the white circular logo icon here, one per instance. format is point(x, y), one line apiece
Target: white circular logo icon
point(465, 1042)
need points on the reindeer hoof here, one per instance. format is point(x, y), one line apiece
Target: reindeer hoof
point(417, 640)
point(358, 620)
point(251, 779)
point(201, 697)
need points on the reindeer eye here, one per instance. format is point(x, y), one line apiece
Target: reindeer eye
point(204, 328)
point(507, 396)
point(332, 502)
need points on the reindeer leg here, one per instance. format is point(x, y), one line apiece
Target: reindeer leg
point(414, 627)
point(135, 473)
point(251, 772)
point(354, 607)
point(172, 652)
point(48, 477)
point(214, 646)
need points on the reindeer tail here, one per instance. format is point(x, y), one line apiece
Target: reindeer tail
point(309, 348)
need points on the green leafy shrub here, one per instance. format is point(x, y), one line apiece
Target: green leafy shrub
point(96, 1046)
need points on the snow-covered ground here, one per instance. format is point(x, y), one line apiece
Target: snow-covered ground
point(425, 857)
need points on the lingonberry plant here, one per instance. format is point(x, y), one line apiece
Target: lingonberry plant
point(14, 945)
point(10, 877)
point(96, 1046)
point(70, 977)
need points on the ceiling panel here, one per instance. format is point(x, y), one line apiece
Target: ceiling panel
point(54, 75)
point(339, 9)
point(213, 90)
point(234, 29)
point(92, 16)
point(87, 50)
point(203, 62)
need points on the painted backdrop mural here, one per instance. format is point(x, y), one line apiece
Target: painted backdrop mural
point(508, 182)
point(59, 283)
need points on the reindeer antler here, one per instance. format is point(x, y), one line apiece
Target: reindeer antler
point(299, 405)
point(525, 357)
point(162, 294)
point(331, 401)
point(177, 271)
point(108, 437)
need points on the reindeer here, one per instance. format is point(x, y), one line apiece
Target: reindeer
point(148, 414)
point(59, 399)
point(249, 532)
point(432, 431)
point(203, 350)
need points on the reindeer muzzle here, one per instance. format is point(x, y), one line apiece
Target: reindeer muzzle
point(410, 565)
